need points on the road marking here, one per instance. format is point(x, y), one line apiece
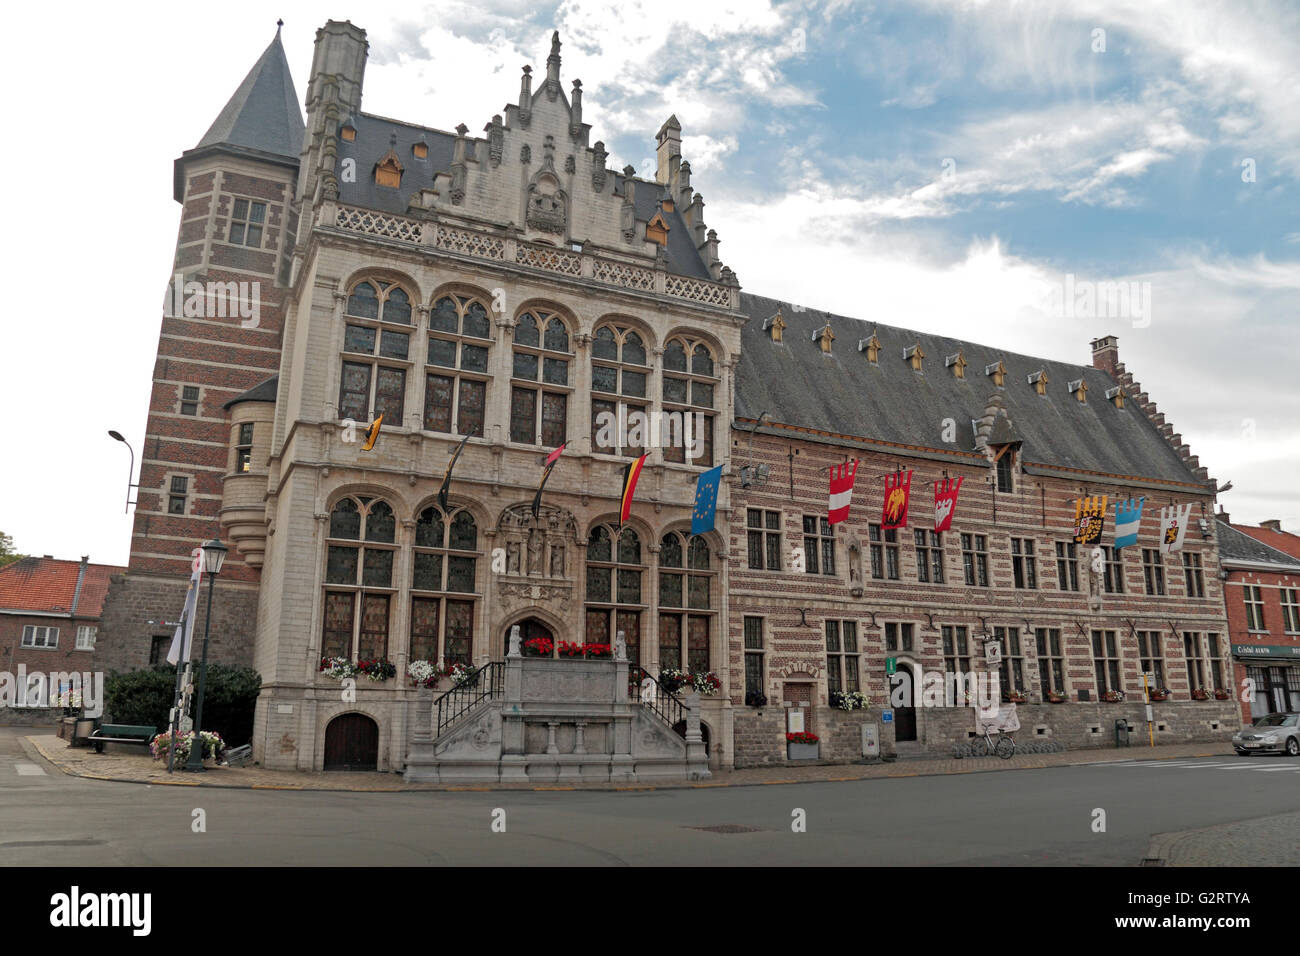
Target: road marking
point(28, 769)
point(1273, 769)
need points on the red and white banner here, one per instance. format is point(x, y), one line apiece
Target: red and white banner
point(945, 502)
point(842, 478)
point(898, 489)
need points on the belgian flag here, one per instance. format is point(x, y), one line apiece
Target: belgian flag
point(630, 475)
point(372, 433)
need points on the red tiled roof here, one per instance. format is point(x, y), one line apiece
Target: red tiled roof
point(50, 585)
point(1281, 540)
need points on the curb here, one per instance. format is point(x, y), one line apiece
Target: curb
point(32, 749)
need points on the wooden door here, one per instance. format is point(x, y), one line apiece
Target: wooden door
point(352, 743)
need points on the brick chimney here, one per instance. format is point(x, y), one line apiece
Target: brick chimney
point(1224, 516)
point(1272, 524)
point(1105, 354)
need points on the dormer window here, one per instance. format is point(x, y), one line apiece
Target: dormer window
point(997, 371)
point(1079, 389)
point(421, 149)
point(872, 347)
point(957, 363)
point(388, 171)
point(656, 230)
point(348, 131)
point(1039, 381)
point(824, 337)
point(774, 326)
point(1116, 396)
point(915, 355)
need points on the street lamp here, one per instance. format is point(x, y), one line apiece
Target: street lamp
point(214, 555)
point(117, 436)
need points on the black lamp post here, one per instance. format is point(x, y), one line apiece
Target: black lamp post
point(117, 436)
point(214, 554)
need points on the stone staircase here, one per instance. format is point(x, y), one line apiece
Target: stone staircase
point(540, 721)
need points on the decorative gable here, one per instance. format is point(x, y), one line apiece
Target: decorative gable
point(388, 171)
point(656, 230)
point(997, 371)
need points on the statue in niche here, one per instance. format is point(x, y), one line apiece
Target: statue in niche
point(512, 557)
point(855, 569)
point(548, 203)
point(534, 551)
point(557, 561)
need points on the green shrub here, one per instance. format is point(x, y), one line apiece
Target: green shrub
point(145, 697)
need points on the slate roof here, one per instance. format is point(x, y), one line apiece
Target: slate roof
point(263, 114)
point(375, 135)
point(842, 393)
point(1240, 546)
point(49, 585)
point(261, 392)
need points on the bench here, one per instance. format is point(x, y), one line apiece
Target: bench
point(121, 734)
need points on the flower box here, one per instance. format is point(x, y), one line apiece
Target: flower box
point(1200, 694)
point(1055, 698)
point(1156, 696)
point(1015, 697)
point(597, 650)
point(802, 745)
point(1222, 695)
point(1113, 696)
point(538, 647)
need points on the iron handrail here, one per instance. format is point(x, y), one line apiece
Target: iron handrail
point(487, 683)
point(665, 704)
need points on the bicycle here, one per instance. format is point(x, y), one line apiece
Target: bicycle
point(1005, 747)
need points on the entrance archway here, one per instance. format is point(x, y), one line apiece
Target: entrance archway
point(352, 743)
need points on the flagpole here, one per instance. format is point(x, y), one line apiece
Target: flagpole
point(176, 700)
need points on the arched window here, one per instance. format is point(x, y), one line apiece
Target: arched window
point(615, 571)
point(686, 577)
point(539, 388)
point(376, 352)
point(360, 553)
point(443, 586)
point(456, 373)
point(690, 384)
point(619, 400)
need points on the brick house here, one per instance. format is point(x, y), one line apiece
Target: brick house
point(1261, 592)
point(513, 289)
point(50, 613)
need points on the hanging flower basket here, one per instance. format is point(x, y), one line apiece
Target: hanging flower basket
point(849, 700)
point(425, 673)
point(377, 670)
point(671, 679)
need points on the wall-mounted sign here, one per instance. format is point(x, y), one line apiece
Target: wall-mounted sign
point(1264, 650)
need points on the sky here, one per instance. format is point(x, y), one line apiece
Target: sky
point(945, 166)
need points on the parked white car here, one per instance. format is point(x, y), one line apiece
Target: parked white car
point(1272, 733)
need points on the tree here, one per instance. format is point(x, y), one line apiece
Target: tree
point(7, 553)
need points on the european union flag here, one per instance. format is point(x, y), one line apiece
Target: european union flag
point(706, 500)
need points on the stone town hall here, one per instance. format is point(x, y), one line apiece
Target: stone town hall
point(511, 287)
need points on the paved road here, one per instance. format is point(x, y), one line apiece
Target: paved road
point(1027, 817)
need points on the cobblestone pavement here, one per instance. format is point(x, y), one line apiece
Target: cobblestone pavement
point(140, 768)
point(1265, 841)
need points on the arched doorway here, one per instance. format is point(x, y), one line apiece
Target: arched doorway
point(529, 628)
point(680, 727)
point(352, 743)
point(902, 690)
